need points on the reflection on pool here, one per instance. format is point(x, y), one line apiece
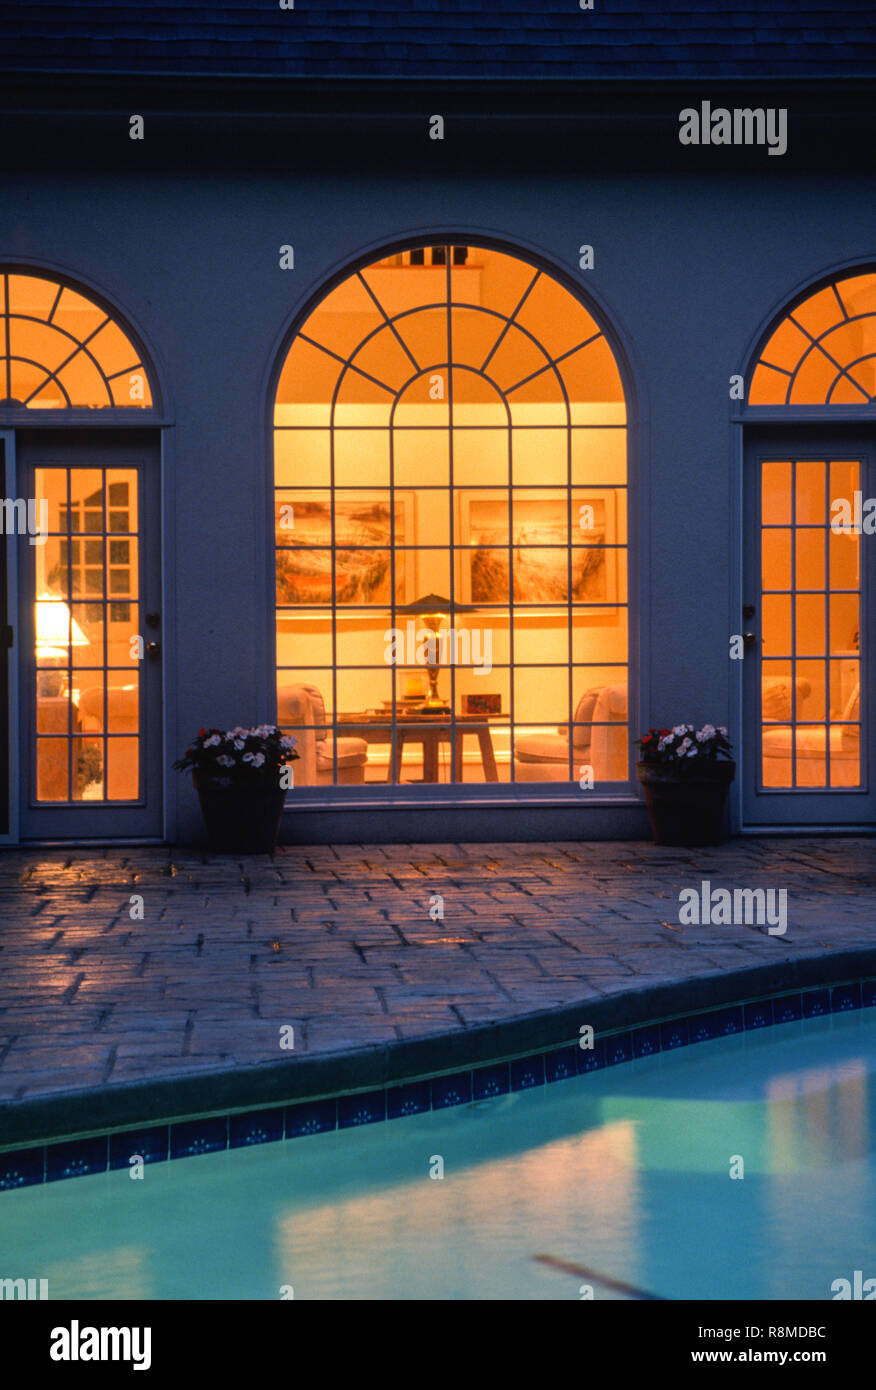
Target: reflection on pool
point(625, 1172)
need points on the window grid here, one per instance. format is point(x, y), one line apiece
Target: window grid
point(826, 659)
point(54, 375)
point(452, 491)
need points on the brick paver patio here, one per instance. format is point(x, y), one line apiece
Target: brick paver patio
point(339, 943)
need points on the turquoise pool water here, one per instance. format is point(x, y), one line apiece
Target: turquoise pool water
point(624, 1172)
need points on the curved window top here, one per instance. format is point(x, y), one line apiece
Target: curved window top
point(60, 350)
point(824, 351)
point(509, 336)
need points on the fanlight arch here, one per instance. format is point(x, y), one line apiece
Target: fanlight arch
point(61, 350)
point(450, 425)
point(824, 351)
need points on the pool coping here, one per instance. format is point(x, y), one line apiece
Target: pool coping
point(297, 1086)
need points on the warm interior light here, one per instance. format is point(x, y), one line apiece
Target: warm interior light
point(56, 629)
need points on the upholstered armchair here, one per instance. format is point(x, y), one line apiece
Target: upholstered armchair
point(601, 739)
point(301, 710)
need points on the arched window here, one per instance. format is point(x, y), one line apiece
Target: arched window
point(450, 472)
point(59, 349)
point(824, 351)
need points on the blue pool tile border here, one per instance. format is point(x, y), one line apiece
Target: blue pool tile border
point(35, 1164)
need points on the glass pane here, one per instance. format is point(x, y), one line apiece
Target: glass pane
point(811, 757)
point(87, 633)
point(811, 639)
point(777, 690)
point(303, 457)
point(88, 769)
point(123, 703)
point(361, 455)
point(599, 455)
point(844, 551)
point(776, 493)
point(844, 624)
point(541, 638)
point(123, 769)
point(121, 499)
point(421, 457)
point(809, 492)
point(776, 559)
point(481, 456)
point(599, 634)
point(777, 760)
point(776, 625)
point(845, 688)
point(811, 689)
point(305, 638)
point(809, 558)
point(845, 756)
point(91, 685)
point(52, 766)
point(540, 456)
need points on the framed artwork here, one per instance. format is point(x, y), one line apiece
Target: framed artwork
point(363, 536)
point(538, 558)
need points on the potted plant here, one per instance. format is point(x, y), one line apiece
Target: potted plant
point(238, 775)
point(685, 775)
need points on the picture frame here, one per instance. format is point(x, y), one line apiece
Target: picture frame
point(540, 551)
point(360, 556)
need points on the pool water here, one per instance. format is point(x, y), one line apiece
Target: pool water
point(624, 1172)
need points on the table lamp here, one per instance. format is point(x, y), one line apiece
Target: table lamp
point(433, 610)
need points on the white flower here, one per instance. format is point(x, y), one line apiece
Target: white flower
point(684, 745)
point(248, 757)
point(225, 760)
point(258, 759)
point(679, 730)
point(213, 741)
point(706, 732)
point(693, 753)
point(239, 743)
point(722, 730)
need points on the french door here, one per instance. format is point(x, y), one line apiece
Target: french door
point(90, 637)
point(808, 593)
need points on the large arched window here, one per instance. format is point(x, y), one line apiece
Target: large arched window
point(824, 351)
point(59, 349)
point(451, 529)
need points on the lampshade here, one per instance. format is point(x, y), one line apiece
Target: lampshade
point(429, 603)
point(56, 629)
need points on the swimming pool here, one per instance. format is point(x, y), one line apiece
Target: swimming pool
point(624, 1172)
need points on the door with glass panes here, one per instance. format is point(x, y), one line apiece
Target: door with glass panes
point(90, 638)
point(808, 586)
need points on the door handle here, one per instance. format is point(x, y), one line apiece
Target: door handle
point(748, 640)
point(748, 610)
point(153, 650)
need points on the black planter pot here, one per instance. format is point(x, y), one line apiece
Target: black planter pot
point(240, 820)
point(685, 804)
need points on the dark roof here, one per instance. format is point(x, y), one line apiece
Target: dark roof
point(476, 39)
